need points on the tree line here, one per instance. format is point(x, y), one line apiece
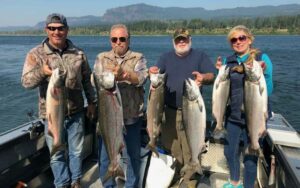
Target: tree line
point(260, 25)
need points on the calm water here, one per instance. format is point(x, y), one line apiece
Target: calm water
point(16, 102)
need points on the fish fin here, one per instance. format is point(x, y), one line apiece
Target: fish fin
point(200, 106)
point(217, 84)
point(189, 170)
point(153, 149)
point(113, 173)
point(260, 153)
point(261, 89)
point(266, 115)
point(219, 132)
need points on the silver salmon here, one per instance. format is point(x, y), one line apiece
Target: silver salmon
point(255, 104)
point(220, 96)
point(55, 109)
point(110, 120)
point(155, 108)
point(194, 121)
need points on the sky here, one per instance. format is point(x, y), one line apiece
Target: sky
point(30, 12)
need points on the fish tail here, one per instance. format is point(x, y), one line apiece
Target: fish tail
point(152, 148)
point(219, 132)
point(57, 148)
point(111, 172)
point(190, 169)
point(251, 151)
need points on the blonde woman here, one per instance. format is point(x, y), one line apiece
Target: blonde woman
point(241, 40)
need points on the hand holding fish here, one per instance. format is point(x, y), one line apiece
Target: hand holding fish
point(199, 78)
point(117, 70)
point(263, 65)
point(46, 69)
point(153, 70)
point(218, 62)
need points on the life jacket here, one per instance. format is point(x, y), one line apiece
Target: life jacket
point(234, 111)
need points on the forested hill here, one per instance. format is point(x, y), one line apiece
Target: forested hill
point(145, 19)
point(141, 12)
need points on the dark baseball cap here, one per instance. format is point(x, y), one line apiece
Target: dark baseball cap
point(182, 32)
point(56, 18)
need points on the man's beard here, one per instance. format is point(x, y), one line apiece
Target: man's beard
point(182, 51)
point(120, 50)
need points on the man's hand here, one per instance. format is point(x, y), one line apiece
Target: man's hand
point(118, 71)
point(46, 69)
point(198, 78)
point(153, 70)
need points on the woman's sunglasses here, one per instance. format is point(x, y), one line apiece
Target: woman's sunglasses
point(115, 39)
point(241, 38)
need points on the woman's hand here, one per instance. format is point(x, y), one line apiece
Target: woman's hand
point(218, 62)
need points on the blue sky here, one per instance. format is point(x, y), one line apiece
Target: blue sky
point(29, 12)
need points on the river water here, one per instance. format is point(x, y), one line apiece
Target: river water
point(16, 102)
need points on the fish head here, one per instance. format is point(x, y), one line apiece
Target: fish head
point(253, 71)
point(107, 79)
point(224, 72)
point(157, 79)
point(59, 76)
point(191, 90)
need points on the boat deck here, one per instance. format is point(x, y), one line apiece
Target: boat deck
point(25, 157)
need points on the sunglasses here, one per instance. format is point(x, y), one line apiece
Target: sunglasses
point(241, 38)
point(60, 28)
point(115, 39)
point(184, 39)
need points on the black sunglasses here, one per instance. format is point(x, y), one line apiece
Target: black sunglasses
point(241, 38)
point(115, 39)
point(181, 38)
point(60, 28)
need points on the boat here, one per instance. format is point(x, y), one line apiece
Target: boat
point(24, 158)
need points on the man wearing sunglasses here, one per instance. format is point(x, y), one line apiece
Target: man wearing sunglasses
point(130, 72)
point(56, 51)
point(180, 64)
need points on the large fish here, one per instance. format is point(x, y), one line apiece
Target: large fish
point(155, 108)
point(194, 121)
point(55, 109)
point(220, 96)
point(110, 120)
point(255, 103)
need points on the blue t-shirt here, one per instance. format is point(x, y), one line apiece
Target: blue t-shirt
point(178, 69)
point(268, 72)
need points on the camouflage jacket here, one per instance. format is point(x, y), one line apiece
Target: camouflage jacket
point(77, 80)
point(132, 95)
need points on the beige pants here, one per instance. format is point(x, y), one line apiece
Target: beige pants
point(173, 136)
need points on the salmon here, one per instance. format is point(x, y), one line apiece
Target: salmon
point(155, 109)
point(194, 121)
point(110, 123)
point(255, 103)
point(55, 109)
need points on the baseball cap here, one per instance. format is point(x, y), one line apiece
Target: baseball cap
point(56, 18)
point(182, 32)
